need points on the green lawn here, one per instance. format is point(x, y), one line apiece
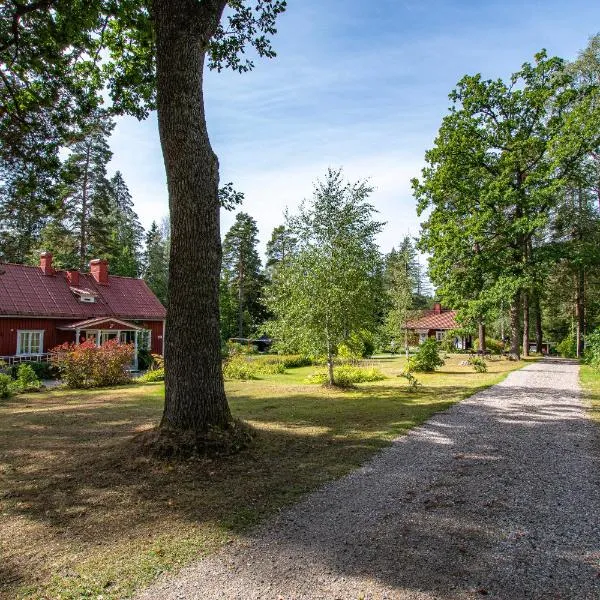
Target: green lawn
point(84, 515)
point(590, 381)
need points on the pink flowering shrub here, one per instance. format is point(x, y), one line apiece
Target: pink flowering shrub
point(87, 366)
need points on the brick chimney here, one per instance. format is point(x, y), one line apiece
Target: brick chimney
point(73, 277)
point(437, 308)
point(99, 270)
point(46, 263)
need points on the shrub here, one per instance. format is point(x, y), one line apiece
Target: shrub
point(144, 359)
point(567, 348)
point(491, 345)
point(237, 367)
point(27, 380)
point(152, 376)
point(347, 375)
point(85, 365)
point(427, 358)
point(478, 364)
point(592, 349)
point(413, 382)
point(6, 386)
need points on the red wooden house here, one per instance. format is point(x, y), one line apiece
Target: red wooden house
point(41, 307)
point(435, 323)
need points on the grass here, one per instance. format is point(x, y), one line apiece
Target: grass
point(590, 381)
point(83, 515)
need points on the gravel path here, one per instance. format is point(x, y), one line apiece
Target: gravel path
point(498, 496)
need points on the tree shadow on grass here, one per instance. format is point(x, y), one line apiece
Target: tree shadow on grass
point(72, 477)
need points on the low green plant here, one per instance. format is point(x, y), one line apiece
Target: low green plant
point(237, 367)
point(347, 375)
point(152, 376)
point(567, 348)
point(6, 386)
point(492, 345)
point(26, 380)
point(427, 359)
point(478, 364)
point(413, 382)
point(592, 350)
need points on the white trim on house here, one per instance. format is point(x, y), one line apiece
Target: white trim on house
point(26, 351)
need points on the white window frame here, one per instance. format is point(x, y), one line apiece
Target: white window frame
point(27, 351)
point(439, 335)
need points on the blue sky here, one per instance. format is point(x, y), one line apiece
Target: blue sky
point(359, 85)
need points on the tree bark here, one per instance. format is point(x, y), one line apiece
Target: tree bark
point(481, 333)
point(539, 334)
point(515, 327)
point(195, 400)
point(525, 323)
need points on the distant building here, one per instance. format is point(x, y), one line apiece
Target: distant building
point(435, 323)
point(42, 307)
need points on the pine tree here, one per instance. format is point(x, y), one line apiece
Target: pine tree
point(127, 233)
point(242, 272)
point(86, 190)
point(156, 272)
point(279, 247)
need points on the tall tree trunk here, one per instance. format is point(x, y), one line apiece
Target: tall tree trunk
point(481, 332)
point(195, 398)
point(241, 301)
point(83, 221)
point(515, 327)
point(525, 323)
point(330, 372)
point(580, 310)
point(539, 334)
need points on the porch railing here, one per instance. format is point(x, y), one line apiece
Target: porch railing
point(21, 358)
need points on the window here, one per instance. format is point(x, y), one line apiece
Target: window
point(439, 335)
point(30, 342)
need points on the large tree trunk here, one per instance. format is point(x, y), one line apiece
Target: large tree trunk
point(539, 334)
point(515, 327)
point(525, 323)
point(481, 332)
point(580, 309)
point(195, 400)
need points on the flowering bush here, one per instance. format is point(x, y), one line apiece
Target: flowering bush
point(85, 365)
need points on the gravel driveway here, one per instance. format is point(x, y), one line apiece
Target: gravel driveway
point(498, 496)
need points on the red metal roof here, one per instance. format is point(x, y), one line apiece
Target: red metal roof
point(435, 320)
point(26, 291)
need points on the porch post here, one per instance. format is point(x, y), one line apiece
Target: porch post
point(98, 337)
point(77, 336)
point(135, 355)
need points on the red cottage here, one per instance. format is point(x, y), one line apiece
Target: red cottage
point(41, 307)
point(435, 323)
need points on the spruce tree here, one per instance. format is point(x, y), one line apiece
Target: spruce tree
point(156, 272)
point(241, 272)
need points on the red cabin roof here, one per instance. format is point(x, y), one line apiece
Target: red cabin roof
point(433, 319)
point(33, 292)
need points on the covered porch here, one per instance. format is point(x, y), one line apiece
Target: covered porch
point(103, 329)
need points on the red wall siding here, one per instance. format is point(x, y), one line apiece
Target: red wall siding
point(156, 337)
point(52, 337)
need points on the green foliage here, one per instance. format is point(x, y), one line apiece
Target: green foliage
point(238, 367)
point(152, 376)
point(156, 260)
point(6, 386)
point(491, 345)
point(427, 358)
point(592, 349)
point(413, 382)
point(87, 366)
point(346, 375)
point(567, 347)
point(242, 279)
point(359, 344)
point(27, 380)
point(145, 359)
point(326, 289)
point(478, 364)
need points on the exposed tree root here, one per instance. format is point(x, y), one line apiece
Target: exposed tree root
point(182, 445)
